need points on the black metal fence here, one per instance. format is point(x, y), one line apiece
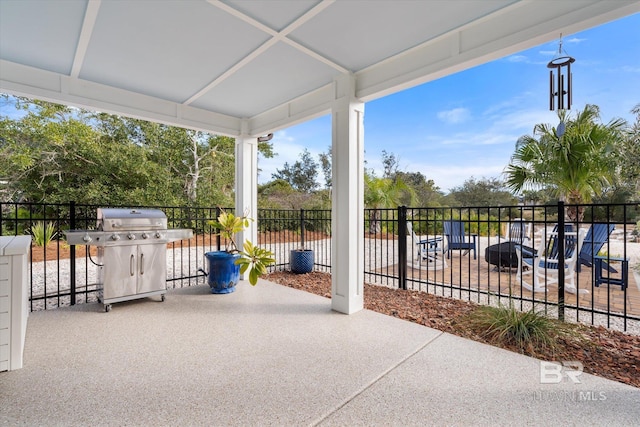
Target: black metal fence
point(66, 275)
point(393, 254)
point(284, 230)
point(396, 257)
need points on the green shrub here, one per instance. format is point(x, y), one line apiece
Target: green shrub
point(14, 221)
point(43, 234)
point(528, 331)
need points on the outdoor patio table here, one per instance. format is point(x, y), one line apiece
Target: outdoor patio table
point(503, 255)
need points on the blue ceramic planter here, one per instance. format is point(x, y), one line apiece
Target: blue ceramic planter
point(301, 261)
point(224, 274)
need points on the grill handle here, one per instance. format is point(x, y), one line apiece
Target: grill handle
point(132, 265)
point(141, 264)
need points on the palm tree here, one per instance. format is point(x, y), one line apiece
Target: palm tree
point(383, 193)
point(631, 158)
point(575, 166)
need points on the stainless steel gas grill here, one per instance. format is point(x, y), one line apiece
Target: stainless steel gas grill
point(132, 252)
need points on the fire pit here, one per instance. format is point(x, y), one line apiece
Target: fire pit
point(132, 252)
point(503, 255)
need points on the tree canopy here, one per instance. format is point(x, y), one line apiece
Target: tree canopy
point(576, 165)
point(301, 175)
point(53, 153)
point(482, 192)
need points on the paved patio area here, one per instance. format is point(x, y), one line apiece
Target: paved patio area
point(272, 355)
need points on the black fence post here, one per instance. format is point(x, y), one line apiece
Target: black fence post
point(561, 242)
point(218, 248)
point(301, 228)
point(72, 254)
point(402, 247)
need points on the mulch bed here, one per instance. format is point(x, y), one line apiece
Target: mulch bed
point(603, 352)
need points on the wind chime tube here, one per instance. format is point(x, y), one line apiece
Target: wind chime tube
point(551, 90)
point(569, 100)
point(560, 90)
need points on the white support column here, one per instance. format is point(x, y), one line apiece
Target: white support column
point(247, 185)
point(347, 225)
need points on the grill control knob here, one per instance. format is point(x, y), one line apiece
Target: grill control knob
point(115, 237)
point(145, 236)
point(158, 235)
point(87, 238)
point(131, 236)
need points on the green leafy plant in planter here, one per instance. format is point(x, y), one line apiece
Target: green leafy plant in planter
point(252, 258)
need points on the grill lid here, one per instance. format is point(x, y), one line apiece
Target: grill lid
point(110, 219)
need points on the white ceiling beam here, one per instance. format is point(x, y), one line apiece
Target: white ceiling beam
point(283, 35)
point(275, 37)
point(231, 71)
point(306, 107)
point(311, 13)
point(244, 61)
point(241, 16)
point(307, 16)
point(482, 41)
point(88, 24)
point(22, 80)
point(315, 55)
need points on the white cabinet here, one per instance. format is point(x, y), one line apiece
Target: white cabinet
point(135, 271)
point(14, 304)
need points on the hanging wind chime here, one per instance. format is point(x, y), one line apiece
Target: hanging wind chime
point(560, 94)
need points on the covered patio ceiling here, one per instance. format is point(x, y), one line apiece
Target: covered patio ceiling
point(237, 67)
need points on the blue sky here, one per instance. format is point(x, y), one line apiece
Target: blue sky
point(467, 124)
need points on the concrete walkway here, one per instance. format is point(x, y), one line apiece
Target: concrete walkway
point(272, 355)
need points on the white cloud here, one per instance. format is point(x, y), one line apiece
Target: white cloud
point(474, 139)
point(523, 59)
point(575, 40)
point(454, 116)
point(630, 69)
point(504, 125)
point(522, 120)
point(517, 58)
point(503, 106)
